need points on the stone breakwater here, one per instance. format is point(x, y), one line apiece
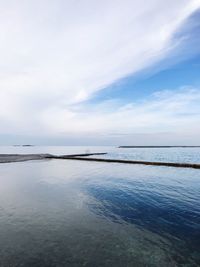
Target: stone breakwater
point(6, 158)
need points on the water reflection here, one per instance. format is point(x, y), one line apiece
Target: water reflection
point(170, 209)
point(66, 213)
point(154, 211)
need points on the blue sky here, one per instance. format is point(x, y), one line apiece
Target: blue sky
point(180, 68)
point(100, 72)
point(184, 73)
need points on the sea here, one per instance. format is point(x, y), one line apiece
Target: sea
point(61, 213)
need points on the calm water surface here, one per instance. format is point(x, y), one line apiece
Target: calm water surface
point(185, 155)
point(70, 213)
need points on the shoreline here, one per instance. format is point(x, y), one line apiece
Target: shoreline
point(8, 158)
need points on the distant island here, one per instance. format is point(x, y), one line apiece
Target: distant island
point(23, 145)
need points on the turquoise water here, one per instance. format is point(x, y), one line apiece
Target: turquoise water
point(70, 213)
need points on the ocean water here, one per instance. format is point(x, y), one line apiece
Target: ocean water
point(74, 213)
point(184, 155)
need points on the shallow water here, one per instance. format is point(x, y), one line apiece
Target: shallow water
point(70, 213)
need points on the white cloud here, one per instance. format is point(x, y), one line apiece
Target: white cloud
point(165, 111)
point(58, 53)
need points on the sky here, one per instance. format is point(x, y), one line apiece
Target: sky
point(88, 72)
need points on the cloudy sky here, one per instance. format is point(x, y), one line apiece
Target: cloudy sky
point(100, 72)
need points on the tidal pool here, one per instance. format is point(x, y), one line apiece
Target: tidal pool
point(70, 213)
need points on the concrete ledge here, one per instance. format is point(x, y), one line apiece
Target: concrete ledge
point(169, 164)
point(6, 158)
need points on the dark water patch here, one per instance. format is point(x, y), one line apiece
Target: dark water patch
point(169, 210)
point(155, 213)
